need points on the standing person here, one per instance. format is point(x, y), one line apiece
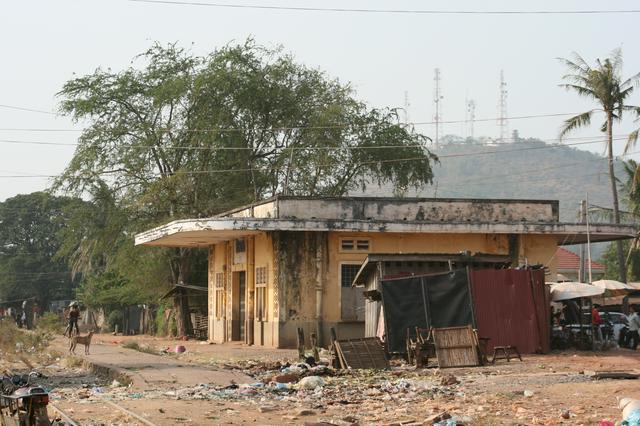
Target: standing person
point(73, 316)
point(596, 322)
point(634, 325)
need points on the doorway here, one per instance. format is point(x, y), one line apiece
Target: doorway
point(238, 296)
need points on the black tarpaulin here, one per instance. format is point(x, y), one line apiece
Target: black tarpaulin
point(440, 300)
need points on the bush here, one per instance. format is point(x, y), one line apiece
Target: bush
point(51, 323)
point(114, 318)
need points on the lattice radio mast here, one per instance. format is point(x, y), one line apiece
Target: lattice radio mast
point(470, 117)
point(502, 110)
point(437, 105)
point(406, 107)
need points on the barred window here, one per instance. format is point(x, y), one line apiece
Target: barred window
point(261, 275)
point(220, 304)
point(348, 274)
point(219, 280)
point(261, 303)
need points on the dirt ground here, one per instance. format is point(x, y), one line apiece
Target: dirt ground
point(543, 389)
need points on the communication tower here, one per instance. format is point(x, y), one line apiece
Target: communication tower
point(503, 124)
point(437, 105)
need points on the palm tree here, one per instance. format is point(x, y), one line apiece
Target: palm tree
point(602, 83)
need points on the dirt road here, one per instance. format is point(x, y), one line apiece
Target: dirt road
point(557, 391)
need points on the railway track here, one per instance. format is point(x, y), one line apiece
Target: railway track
point(68, 420)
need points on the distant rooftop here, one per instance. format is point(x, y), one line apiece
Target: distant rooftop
point(568, 261)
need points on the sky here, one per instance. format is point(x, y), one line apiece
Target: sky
point(383, 55)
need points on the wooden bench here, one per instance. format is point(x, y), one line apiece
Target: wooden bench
point(505, 352)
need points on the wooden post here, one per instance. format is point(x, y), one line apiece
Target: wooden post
point(334, 351)
point(314, 347)
point(301, 353)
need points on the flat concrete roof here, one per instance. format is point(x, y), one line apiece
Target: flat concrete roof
point(205, 232)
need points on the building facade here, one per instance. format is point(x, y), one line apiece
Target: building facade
point(290, 262)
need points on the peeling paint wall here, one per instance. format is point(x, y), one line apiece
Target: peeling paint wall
point(429, 210)
point(300, 258)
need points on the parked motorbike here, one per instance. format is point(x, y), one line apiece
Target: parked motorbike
point(21, 403)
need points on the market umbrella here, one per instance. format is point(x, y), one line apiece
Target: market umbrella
point(613, 288)
point(573, 290)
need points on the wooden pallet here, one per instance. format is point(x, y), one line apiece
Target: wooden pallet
point(456, 347)
point(364, 353)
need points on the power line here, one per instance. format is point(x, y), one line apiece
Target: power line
point(391, 11)
point(297, 148)
point(337, 126)
point(27, 109)
point(421, 158)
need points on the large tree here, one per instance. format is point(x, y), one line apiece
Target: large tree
point(30, 268)
point(184, 136)
point(604, 84)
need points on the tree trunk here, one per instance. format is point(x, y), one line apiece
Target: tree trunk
point(180, 301)
point(614, 192)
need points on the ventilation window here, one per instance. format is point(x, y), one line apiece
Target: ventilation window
point(355, 245)
point(261, 276)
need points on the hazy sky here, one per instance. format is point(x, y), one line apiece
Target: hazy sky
point(45, 42)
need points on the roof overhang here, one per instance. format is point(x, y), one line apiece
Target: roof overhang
point(370, 263)
point(205, 232)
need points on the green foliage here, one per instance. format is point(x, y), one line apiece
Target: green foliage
point(188, 136)
point(51, 323)
point(30, 230)
point(161, 326)
point(114, 318)
point(610, 261)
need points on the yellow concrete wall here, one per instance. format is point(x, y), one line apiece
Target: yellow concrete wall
point(266, 332)
point(533, 249)
point(218, 263)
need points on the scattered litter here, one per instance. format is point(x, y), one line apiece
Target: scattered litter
point(310, 383)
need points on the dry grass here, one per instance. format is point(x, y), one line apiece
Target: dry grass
point(21, 344)
point(140, 348)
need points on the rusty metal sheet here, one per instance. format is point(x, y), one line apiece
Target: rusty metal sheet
point(511, 308)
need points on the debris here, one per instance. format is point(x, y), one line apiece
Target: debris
point(286, 378)
point(180, 349)
point(436, 418)
point(528, 393)
point(310, 383)
point(115, 384)
point(266, 408)
point(449, 379)
point(565, 414)
point(305, 413)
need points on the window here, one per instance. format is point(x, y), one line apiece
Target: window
point(219, 280)
point(352, 299)
point(355, 245)
point(220, 303)
point(240, 246)
point(261, 303)
point(261, 275)
point(348, 274)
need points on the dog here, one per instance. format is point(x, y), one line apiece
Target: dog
point(84, 340)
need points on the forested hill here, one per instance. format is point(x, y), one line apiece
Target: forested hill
point(525, 169)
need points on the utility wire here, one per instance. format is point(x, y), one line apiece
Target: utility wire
point(277, 129)
point(421, 158)
point(27, 109)
point(391, 11)
point(595, 139)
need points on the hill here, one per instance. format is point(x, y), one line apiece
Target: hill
point(528, 168)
